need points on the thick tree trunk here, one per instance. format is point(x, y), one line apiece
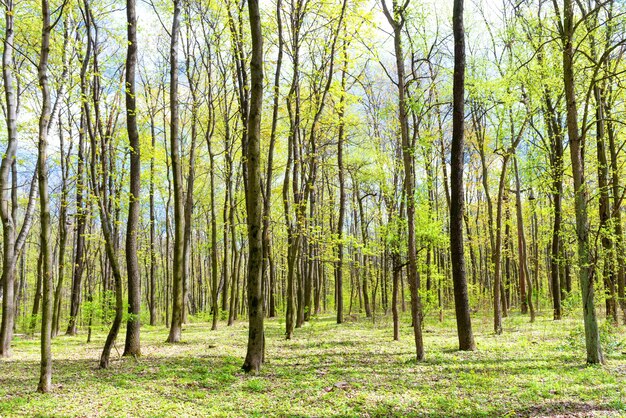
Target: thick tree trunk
point(457, 200)
point(132, 346)
point(256, 336)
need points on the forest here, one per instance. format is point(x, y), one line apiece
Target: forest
point(313, 208)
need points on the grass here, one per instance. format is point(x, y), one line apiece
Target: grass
point(354, 369)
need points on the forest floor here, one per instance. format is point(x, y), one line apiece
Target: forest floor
point(354, 369)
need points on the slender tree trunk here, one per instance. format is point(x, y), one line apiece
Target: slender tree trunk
point(396, 271)
point(100, 165)
point(81, 215)
point(45, 375)
point(604, 206)
point(521, 245)
point(8, 224)
point(214, 276)
point(179, 220)
point(268, 266)
point(556, 148)
point(188, 204)
point(397, 20)
point(586, 267)
point(153, 260)
point(65, 161)
point(616, 214)
point(342, 192)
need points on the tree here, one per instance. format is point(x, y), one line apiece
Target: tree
point(268, 265)
point(45, 376)
point(179, 220)
point(457, 198)
point(81, 186)
point(132, 346)
point(567, 26)
point(256, 336)
point(396, 19)
point(13, 242)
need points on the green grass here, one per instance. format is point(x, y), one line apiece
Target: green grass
point(354, 369)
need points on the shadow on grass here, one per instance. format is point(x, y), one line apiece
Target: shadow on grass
point(372, 374)
point(564, 408)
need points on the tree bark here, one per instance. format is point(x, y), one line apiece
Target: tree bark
point(254, 211)
point(342, 192)
point(132, 346)
point(396, 20)
point(521, 245)
point(457, 198)
point(45, 375)
point(268, 263)
point(81, 215)
point(586, 267)
point(179, 220)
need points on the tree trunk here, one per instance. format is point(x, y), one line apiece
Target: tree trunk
point(132, 346)
point(153, 261)
point(8, 224)
point(268, 266)
point(45, 375)
point(616, 213)
point(342, 193)
point(457, 200)
point(256, 336)
point(586, 267)
point(179, 220)
point(65, 161)
point(521, 245)
point(396, 20)
point(81, 215)
point(214, 276)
